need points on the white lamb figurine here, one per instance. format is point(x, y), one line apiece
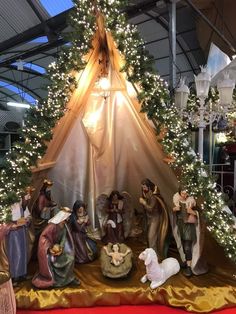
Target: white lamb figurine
point(155, 272)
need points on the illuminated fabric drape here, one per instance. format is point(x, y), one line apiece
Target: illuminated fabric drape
point(99, 144)
point(111, 146)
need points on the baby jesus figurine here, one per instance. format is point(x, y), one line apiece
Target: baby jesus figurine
point(117, 258)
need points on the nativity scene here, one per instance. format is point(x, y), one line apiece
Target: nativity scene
point(114, 177)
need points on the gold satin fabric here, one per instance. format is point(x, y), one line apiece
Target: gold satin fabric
point(75, 107)
point(212, 291)
point(103, 144)
point(110, 147)
point(100, 145)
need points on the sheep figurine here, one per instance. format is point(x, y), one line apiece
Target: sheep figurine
point(155, 272)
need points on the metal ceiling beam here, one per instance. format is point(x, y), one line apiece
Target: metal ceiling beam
point(34, 61)
point(22, 86)
point(142, 22)
point(49, 32)
point(14, 94)
point(160, 15)
point(36, 11)
point(57, 23)
point(19, 94)
point(172, 43)
point(34, 51)
point(148, 5)
point(165, 25)
point(7, 95)
point(179, 72)
point(189, 2)
point(178, 54)
point(167, 37)
point(135, 10)
point(25, 70)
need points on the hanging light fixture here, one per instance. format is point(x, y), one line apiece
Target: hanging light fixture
point(181, 95)
point(104, 83)
point(202, 81)
point(204, 114)
point(225, 88)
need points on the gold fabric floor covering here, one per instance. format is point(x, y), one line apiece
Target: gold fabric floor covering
point(209, 292)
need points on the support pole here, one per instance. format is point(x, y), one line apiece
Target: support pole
point(172, 40)
point(210, 142)
point(234, 175)
point(201, 127)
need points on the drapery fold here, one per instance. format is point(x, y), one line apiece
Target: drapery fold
point(200, 294)
point(111, 146)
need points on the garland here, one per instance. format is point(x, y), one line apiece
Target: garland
point(155, 101)
point(41, 119)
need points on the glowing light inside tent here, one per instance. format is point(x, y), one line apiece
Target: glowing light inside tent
point(119, 99)
point(104, 83)
point(91, 119)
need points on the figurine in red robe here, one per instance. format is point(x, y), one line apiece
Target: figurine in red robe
point(56, 254)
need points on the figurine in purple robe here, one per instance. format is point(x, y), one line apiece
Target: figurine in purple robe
point(85, 245)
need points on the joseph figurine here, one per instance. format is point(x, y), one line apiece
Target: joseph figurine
point(157, 217)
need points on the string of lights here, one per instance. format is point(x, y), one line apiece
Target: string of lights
point(155, 101)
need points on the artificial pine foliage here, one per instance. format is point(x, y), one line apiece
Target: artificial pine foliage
point(155, 101)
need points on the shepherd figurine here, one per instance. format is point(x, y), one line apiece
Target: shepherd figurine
point(155, 272)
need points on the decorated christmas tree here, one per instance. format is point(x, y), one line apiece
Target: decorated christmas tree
point(153, 96)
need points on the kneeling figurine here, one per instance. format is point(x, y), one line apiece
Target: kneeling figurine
point(155, 272)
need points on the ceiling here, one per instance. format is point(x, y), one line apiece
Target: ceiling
point(33, 32)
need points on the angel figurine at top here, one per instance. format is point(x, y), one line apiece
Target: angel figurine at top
point(111, 212)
